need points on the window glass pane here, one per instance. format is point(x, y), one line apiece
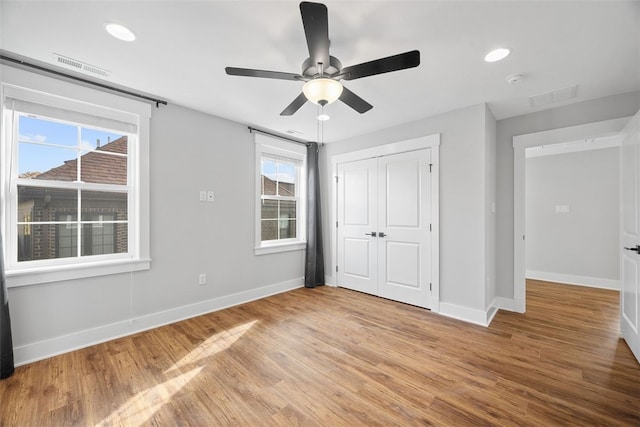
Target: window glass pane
point(104, 238)
point(97, 167)
point(269, 209)
point(43, 162)
point(287, 209)
point(101, 139)
point(269, 229)
point(286, 179)
point(47, 241)
point(269, 177)
point(287, 229)
point(46, 131)
point(104, 203)
point(66, 240)
point(38, 204)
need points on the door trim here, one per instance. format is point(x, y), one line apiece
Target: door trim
point(520, 144)
point(428, 141)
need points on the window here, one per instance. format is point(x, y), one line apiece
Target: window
point(63, 169)
point(76, 195)
point(280, 201)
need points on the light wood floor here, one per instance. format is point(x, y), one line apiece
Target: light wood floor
point(333, 357)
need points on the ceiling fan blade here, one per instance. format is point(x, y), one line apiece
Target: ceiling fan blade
point(383, 65)
point(354, 101)
point(295, 105)
point(249, 72)
point(316, 28)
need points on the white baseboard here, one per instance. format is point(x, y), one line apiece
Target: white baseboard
point(503, 303)
point(491, 313)
point(510, 304)
point(516, 305)
point(466, 314)
point(330, 280)
point(47, 348)
point(570, 279)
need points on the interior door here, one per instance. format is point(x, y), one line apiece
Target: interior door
point(357, 219)
point(630, 236)
point(404, 237)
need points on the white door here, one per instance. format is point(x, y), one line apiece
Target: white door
point(630, 236)
point(404, 237)
point(357, 219)
point(384, 238)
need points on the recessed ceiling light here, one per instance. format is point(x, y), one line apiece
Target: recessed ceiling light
point(323, 117)
point(120, 32)
point(497, 54)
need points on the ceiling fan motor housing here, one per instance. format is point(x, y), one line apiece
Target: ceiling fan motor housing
point(311, 69)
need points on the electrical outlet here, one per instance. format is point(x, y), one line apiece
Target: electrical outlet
point(202, 279)
point(210, 196)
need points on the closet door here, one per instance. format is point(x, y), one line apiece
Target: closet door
point(404, 236)
point(384, 238)
point(357, 219)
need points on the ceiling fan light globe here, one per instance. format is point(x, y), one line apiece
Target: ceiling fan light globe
point(322, 91)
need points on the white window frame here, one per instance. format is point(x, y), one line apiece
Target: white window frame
point(288, 150)
point(54, 93)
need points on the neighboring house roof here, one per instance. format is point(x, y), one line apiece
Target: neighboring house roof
point(96, 167)
point(269, 186)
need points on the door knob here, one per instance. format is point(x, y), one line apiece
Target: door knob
point(373, 233)
point(381, 234)
point(636, 249)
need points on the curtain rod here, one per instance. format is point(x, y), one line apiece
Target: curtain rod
point(80, 79)
point(275, 135)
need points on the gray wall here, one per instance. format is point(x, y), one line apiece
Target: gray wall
point(462, 196)
point(610, 107)
point(585, 241)
point(490, 209)
point(190, 151)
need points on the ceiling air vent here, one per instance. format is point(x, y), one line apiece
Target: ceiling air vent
point(554, 96)
point(74, 64)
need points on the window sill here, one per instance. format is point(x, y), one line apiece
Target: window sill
point(282, 247)
point(18, 278)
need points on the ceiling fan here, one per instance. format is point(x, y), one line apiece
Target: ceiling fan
point(322, 72)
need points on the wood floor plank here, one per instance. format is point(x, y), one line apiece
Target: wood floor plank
point(334, 357)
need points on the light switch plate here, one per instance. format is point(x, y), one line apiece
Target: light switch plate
point(563, 208)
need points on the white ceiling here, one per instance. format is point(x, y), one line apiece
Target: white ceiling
point(182, 48)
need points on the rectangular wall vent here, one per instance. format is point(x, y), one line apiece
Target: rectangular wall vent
point(554, 96)
point(74, 64)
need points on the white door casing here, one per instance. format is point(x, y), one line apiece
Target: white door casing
point(630, 235)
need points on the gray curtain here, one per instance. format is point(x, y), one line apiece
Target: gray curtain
point(6, 343)
point(314, 268)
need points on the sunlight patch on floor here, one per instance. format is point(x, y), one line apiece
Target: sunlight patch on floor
point(214, 344)
point(140, 408)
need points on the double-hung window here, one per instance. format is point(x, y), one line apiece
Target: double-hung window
point(280, 195)
point(73, 185)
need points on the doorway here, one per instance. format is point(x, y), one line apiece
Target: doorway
point(549, 138)
point(573, 212)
